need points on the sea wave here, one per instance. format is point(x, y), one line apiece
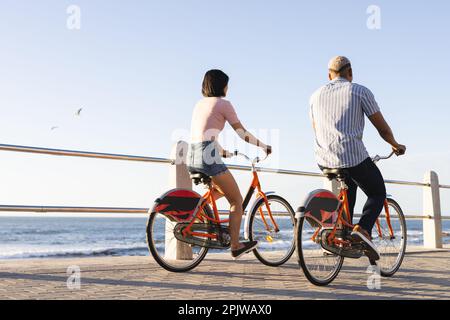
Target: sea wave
point(71, 252)
point(22, 238)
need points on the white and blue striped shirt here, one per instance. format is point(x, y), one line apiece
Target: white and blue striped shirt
point(338, 110)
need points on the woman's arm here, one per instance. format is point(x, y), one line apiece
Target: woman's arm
point(250, 138)
point(223, 153)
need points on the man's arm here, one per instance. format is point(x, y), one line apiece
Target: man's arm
point(386, 133)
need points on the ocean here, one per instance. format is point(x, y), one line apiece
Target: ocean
point(63, 237)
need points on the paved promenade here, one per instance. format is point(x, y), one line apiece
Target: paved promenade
point(424, 275)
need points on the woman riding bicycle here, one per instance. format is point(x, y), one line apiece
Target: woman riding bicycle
point(205, 153)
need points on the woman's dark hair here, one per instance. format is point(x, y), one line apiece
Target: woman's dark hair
point(214, 83)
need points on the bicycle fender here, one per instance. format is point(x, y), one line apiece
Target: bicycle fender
point(178, 205)
point(319, 205)
point(247, 215)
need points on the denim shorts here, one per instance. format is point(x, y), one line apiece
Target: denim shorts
point(204, 157)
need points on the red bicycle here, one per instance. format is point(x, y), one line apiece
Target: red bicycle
point(323, 233)
point(183, 225)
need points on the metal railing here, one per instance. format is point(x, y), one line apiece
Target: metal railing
point(83, 154)
point(123, 157)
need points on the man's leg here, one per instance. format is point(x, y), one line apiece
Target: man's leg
point(351, 194)
point(368, 177)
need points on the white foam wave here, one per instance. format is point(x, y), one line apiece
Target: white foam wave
point(29, 251)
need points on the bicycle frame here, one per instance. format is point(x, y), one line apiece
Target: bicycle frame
point(208, 198)
point(344, 206)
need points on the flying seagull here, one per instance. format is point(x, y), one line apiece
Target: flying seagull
point(79, 112)
point(53, 128)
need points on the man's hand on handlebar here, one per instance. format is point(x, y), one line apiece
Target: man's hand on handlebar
point(267, 149)
point(399, 149)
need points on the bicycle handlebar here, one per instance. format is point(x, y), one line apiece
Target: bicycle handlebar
point(254, 161)
point(378, 158)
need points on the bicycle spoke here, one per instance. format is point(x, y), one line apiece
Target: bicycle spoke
point(167, 251)
point(274, 247)
point(320, 264)
point(391, 250)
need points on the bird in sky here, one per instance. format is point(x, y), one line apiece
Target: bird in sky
point(79, 112)
point(53, 128)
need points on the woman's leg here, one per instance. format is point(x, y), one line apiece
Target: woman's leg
point(217, 193)
point(226, 183)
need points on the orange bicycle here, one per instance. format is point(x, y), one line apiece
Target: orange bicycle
point(323, 233)
point(183, 225)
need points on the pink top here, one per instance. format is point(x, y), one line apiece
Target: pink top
point(209, 117)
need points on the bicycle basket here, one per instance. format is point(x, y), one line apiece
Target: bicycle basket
point(320, 208)
point(178, 205)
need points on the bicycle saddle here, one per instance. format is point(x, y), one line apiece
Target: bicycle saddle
point(199, 177)
point(339, 174)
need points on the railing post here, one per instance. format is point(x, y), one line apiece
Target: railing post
point(432, 224)
point(178, 178)
point(331, 185)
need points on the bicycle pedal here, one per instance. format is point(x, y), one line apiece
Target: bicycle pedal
point(222, 241)
point(328, 254)
point(351, 251)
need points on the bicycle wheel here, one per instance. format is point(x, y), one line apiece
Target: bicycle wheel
point(274, 247)
point(319, 266)
point(169, 253)
point(392, 249)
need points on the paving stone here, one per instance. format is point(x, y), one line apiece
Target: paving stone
point(424, 275)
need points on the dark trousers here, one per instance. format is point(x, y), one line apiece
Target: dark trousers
point(368, 178)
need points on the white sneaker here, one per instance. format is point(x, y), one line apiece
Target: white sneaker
point(359, 234)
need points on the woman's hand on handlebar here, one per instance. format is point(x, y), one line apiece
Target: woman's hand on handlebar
point(399, 149)
point(228, 154)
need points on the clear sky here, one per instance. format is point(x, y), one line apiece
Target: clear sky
point(136, 67)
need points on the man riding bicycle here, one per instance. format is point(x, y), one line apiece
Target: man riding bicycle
point(337, 112)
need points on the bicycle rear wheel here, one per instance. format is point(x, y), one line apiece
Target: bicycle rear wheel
point(319, 266)
point(392, 249)
point(275, 247)
point(169, 253)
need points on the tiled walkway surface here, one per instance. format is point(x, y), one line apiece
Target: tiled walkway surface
point(424, 275)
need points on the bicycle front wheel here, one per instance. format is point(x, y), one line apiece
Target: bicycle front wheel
point(319, 266)
point(169, 253)
point(275, 246)
point(391, 247)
